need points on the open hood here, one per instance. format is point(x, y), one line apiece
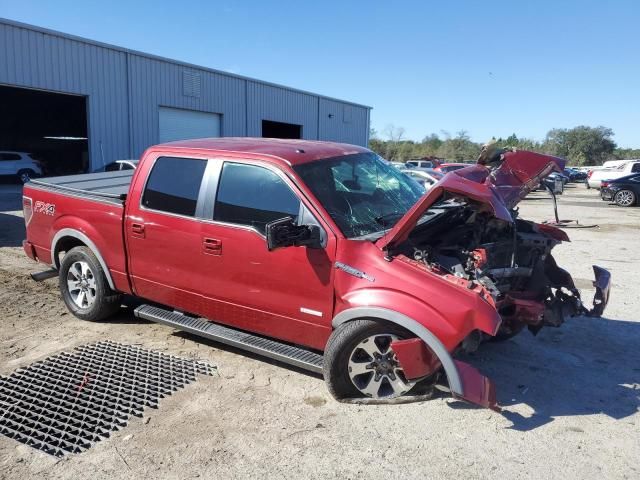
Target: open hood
point(500, 183)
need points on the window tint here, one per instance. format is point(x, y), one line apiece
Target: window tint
point(635, 168)
point(253, 196)
point(174, 184)
point(9, 156)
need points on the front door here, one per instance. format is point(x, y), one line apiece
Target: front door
point(286, 293)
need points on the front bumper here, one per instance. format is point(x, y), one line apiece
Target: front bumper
point(607, 194)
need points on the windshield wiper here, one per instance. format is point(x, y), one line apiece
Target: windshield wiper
point(382, 219)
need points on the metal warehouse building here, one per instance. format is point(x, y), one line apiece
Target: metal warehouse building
point(79, 104)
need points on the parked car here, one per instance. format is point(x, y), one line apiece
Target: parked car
point(119, 165)
point(21, 165)
point(288, 248)
point(575, 175)
point(619, 171)
point(624, 191)
point(423, 163)
point(427, 178)
point(398, 165)
point(450, 167)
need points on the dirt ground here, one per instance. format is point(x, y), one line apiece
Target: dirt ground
point(570, 395)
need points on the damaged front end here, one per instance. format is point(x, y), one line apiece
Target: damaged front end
point(467, 227)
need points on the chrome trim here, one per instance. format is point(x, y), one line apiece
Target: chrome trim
point(455, 382)
point(70, 232)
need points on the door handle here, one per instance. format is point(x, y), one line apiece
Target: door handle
point(138, 229)
point(212, 246)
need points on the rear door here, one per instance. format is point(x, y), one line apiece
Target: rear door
point(163, 232)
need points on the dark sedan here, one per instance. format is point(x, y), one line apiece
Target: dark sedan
point(624, 191)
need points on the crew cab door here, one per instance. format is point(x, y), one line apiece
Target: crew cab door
point(163, 232)
point(285, 293)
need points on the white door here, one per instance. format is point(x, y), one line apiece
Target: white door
point(180, 124)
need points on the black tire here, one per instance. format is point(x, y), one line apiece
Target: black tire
point(25, 175)
point(105, 301)
point(341, 344)
point(626, 194)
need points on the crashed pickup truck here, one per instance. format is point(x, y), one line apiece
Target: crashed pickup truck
point(317, 254)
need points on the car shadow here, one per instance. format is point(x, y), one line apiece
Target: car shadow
point(589, 366)
point(12, 230)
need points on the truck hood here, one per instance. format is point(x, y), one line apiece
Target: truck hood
point(500, 185)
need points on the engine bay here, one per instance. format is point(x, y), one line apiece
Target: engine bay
point(511, 260)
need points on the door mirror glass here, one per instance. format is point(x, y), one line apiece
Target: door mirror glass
point(285, 233)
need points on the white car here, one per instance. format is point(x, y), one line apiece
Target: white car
point(118, 165)
point(623, 169)
point(426, 178)
point(20, 164)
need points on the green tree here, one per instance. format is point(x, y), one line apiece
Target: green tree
point(459, 148)
point(581, 145)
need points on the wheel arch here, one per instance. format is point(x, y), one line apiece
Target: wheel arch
point(66, 237)
point(397, 318)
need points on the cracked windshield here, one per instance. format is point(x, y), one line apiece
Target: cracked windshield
point(364, 195)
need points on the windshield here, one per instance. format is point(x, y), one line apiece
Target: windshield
point(363, 194)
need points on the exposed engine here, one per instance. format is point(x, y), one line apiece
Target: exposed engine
point(512, 260)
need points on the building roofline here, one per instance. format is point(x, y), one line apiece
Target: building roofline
point(116, 48)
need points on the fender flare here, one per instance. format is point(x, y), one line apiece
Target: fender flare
point(453, 376)
point(70, 232)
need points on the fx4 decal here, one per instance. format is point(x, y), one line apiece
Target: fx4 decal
point(44, 208)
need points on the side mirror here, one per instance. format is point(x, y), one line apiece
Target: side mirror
point(285, 233)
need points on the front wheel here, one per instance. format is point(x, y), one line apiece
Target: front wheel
point(359, 361)
point(84, 286)
point(625, 198)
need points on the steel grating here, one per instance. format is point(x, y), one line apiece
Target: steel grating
point(67, 402)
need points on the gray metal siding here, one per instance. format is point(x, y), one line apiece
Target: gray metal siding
point(341, 122)
point(156, 83)
point(266, 102)
point(33, 59)
point(117, 81)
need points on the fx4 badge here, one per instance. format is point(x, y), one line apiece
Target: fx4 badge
point(44, 208)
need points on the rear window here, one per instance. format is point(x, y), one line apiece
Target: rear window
point(174, 185)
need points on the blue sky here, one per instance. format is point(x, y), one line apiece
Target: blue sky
point(489, 67)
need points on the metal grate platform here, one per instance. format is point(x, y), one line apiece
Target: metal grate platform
point(67, 402)
point(283, 352)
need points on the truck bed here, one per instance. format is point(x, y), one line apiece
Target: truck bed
point(112, 186)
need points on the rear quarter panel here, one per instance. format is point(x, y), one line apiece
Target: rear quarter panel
point(100, 221)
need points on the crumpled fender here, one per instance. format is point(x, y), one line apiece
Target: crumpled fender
point(465, 381)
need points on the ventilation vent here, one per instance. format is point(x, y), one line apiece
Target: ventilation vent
point(191, 84)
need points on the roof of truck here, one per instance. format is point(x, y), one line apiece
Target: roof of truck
point(292, 152)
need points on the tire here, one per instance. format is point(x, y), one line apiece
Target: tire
point(344, 346)
point(625, 198)
point(26, 174)
point(93, 299)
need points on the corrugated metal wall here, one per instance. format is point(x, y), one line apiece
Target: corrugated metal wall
point(118, 81)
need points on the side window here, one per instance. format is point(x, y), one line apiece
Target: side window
point(10, 157)
point(411, 164)
point(174, 184)
point(253, 196)
point(635, 168)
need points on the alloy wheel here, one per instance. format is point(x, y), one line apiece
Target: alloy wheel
point(81, 284)
point(374, 368)
point(624, 198)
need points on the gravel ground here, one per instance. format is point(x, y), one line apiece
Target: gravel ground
point(570, 395)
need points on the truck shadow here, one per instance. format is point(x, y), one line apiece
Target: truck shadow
point(589, 366)
point(12, 230)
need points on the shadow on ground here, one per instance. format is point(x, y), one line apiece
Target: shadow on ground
point(588, 366)
point(12, 230)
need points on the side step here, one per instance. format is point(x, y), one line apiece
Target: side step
point(274, 349)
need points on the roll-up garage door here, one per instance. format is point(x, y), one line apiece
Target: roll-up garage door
point(179, 124)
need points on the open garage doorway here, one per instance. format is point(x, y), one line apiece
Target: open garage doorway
point(280, 130)
point(49, 127)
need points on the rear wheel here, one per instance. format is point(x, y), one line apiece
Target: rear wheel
point(359, 361)
point(84, 286)
point(625, 198)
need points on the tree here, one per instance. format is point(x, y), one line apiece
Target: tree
point(581, 145)
point(459, 148)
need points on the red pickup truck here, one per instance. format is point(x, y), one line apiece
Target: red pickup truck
point(321, 255)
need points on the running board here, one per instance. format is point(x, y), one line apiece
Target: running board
point(41, 276)
point(267, 347)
